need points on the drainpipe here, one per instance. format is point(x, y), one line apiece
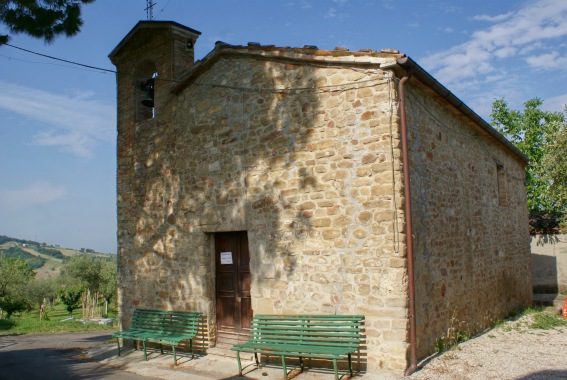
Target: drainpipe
point(409, 232)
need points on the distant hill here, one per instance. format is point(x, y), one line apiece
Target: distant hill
point(44, 259)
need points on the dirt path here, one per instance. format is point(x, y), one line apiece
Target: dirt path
point(511, 351)
point(56, 357)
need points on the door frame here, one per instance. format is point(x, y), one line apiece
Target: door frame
point(241, 286)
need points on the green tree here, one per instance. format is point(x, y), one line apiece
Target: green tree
point(87, 269)
point(71, 297)
point(39, 290)
point(109, 285)
point(45, 19)
point(555, 166)
point(97, 276)
point(533, 132)
point(14, 277)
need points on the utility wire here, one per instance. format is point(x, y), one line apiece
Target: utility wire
point(47, 63)
point(62, 60)
point(162, 9)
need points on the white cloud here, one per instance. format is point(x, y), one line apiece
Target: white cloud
point(549, 61)
point(306, 5)
point(556, 104)
point(388, 4)
point(336, 13)
point(447, 8)
point(331, 13)
point(536, 23)
point(505, 52)
point(78, 122)
point(34, 194)
point(73, 142)
point(303, 4)
point(497, 18)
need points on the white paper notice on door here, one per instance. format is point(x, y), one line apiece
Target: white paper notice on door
point(225, 258)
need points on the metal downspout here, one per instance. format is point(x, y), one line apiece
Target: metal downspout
point(409, 231)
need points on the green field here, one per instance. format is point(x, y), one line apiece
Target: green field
point(29, 323)
point(46, 261)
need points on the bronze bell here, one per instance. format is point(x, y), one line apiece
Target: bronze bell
point(148, 88)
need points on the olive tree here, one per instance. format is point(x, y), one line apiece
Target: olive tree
point(14, 277)
point(540, 135)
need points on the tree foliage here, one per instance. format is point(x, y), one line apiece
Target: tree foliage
point(40, 289)
point(96, 275)
point(555, 166)
point(44, 19)
point(109, 284)
point(71, 297)
point(535, 133)
point(14, 277)
point(87, 269)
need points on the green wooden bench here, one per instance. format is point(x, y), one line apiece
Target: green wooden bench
point(163, 327)
point(330, 337)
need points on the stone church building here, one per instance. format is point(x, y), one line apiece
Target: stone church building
point(278, 180)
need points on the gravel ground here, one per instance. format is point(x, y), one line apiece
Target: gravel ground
point(512, 350)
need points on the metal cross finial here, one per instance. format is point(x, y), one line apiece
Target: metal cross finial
point(150, 9)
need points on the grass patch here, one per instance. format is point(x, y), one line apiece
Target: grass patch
point(29, 323)
point(456, 333)
point(532, 318)
point(545, 321)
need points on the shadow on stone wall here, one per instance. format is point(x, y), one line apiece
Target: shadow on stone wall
point(275, 149)
point(544, 274)
point(549, 263)
point(545, 239)
point(219, 159)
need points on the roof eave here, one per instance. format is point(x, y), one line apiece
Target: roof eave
point(149, 25)
point(426, 78)
point(304, 55)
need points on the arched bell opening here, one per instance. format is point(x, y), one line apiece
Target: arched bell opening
point(144, 84)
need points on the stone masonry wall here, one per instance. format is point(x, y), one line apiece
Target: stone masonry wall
point(549, 263)
point(304, 158)
point(471, 245)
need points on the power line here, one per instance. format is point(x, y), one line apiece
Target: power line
point(162, 9)
point(9, 58)
point(62, 60)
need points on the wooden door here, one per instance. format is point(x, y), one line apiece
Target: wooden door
point(234, 306)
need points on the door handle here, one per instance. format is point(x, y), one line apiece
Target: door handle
point(238, 299)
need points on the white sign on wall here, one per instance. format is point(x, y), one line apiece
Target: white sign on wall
point(225, 258)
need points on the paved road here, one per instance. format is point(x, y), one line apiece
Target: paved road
point(57, 357)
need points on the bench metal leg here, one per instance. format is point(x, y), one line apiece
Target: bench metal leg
point(118, 344)
point(257, 361)
point(145, 354)
point(174, 356)
point(301, 363)
point(350, 364)
point(239, 364)
point(336, 369)
point(284, 368)
point(191, 348)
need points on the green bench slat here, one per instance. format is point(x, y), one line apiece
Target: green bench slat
point(331, 337)
point(304, 351)
point(163, 327)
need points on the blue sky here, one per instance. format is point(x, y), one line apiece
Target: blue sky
point(58, 121)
